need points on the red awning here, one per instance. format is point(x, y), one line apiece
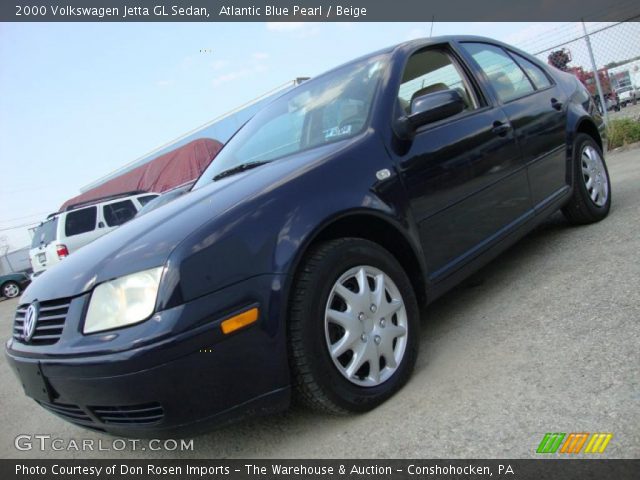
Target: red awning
point(169, 170)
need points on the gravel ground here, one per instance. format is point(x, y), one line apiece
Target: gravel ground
point(545, 339)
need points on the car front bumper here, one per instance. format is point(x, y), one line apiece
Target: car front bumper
point(173, 375)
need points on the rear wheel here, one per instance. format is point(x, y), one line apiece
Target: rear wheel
point(353, 327)
point(591, 198)
point(10, 290)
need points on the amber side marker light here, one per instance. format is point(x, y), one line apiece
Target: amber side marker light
point(239, 321)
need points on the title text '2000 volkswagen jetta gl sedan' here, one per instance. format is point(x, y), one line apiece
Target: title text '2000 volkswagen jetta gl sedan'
point(299, 261)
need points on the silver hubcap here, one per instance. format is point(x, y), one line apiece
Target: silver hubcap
point(11, 291)
point(366, 326)
point(595, 176)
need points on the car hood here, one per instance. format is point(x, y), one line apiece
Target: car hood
point(147, 241)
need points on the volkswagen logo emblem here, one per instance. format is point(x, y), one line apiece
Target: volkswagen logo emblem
point(30, 321)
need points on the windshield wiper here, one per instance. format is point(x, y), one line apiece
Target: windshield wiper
point(237, 169)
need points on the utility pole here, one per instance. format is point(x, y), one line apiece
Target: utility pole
point(603, 101)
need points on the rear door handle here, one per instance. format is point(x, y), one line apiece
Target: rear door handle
point(555, 103)
point(500, 128)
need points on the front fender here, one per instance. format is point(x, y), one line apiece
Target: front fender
point(267, 233)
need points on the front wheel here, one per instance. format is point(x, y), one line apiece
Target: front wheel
point(591, 198)
point(10, 290)
point(353, 327)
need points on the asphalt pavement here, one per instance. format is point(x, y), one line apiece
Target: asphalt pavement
point(544, 339)
point(630, 111)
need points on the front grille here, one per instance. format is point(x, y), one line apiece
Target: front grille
point(49, 325)
point(72, 413)
point(134, 414)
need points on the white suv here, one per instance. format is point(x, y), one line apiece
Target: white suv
point(65, 232)
point(626, 95)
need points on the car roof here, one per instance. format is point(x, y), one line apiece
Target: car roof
point(427, 42)
point(105, 199)
point(99, 201)
point(410, 45)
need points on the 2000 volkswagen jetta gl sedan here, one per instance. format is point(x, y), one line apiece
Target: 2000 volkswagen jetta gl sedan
point(300, 260)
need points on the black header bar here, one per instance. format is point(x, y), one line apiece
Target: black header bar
point(316, 10)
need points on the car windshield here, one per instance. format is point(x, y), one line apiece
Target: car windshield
point(45, 233)
point(330, 108)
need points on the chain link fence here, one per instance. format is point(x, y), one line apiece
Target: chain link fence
point(612, 49)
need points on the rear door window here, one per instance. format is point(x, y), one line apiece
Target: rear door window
point(505, 76)
point(45, 233)
point(118, 213)
point(80, 221)
point(537, 76)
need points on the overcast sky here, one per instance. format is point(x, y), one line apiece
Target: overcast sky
point(80, 100)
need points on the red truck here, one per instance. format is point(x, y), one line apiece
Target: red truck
point(561, 58)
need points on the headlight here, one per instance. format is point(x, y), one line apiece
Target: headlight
point(123, 301)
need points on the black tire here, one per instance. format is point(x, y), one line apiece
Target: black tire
point(581, 209)
point(318, 382)
point(8, 288)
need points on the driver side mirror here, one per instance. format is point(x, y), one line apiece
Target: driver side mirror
point(430, 108)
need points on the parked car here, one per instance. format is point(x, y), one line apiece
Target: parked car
point(166, 197)
point(612, 101)
point(12, 284)
point(299, 261)
point(626, 95)
point(65, 232)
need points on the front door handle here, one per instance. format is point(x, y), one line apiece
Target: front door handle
point(500, 128)
point(555, 103)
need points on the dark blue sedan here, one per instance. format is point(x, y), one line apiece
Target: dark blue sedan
point(300, 261)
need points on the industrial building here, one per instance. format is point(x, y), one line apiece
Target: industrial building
point(187, 155)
